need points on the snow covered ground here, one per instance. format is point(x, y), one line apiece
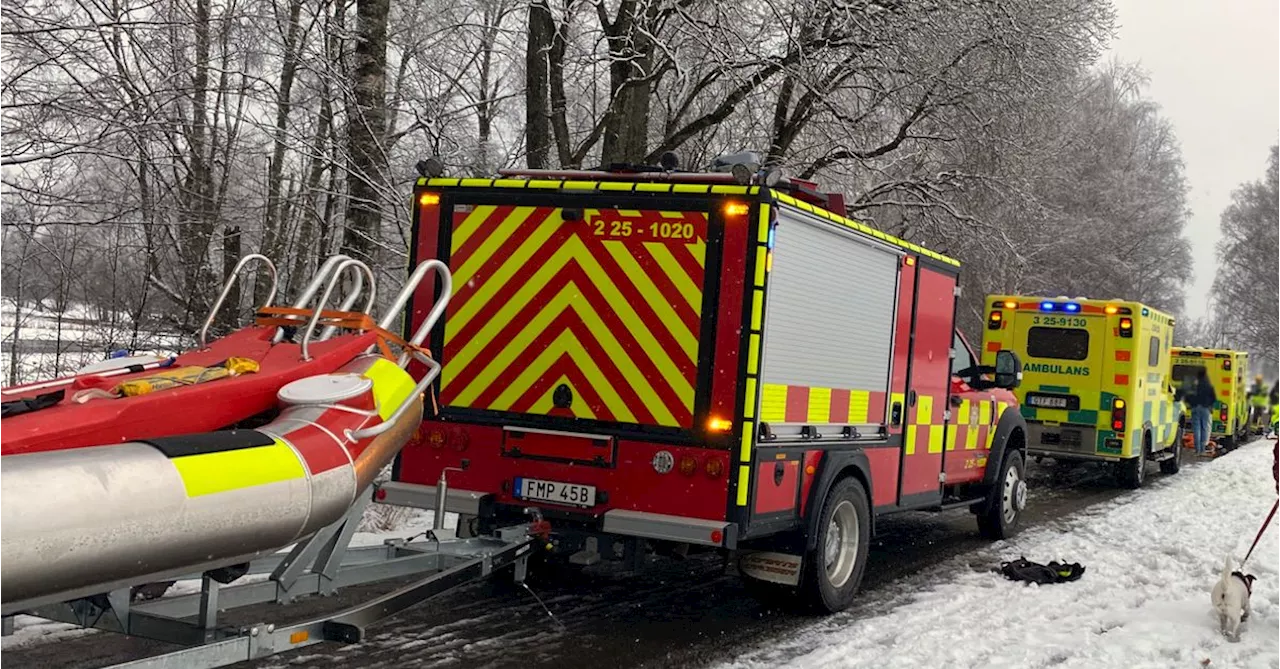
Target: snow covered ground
point(1152, 558)
point(50, 343)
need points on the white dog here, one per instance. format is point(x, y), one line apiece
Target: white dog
point(1231, 600)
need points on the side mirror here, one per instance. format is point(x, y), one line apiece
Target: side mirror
point(1008, 370)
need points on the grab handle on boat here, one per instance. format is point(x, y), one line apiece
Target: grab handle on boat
point(226, 289)
point(310, 290)
point(433, 370)
point(361, 270)
point(328, 291)
point(397, 305)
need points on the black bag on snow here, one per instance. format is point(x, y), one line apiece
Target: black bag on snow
point(1026, 571)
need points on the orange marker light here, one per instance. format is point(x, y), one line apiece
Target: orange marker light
point(809, 470)
point(719, 425)
point(429, 199)
point(1010, 305)
point(299, 637)
point(1112, 309)
point(910, 261)
point(736, 209)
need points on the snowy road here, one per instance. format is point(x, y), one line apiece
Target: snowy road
point(927, 586)
point(1144, 601)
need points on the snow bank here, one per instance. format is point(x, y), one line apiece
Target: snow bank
point(1152, 558)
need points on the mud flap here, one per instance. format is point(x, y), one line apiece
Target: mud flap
point(770, 567)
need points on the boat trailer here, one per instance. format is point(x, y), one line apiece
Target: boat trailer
point(319, 565)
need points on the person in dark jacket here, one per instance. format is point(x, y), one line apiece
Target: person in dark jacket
point(1200, 397)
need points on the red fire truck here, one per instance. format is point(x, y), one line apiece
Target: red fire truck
point(666, 361)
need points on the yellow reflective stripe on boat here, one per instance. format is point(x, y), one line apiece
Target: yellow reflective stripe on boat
point(210, 473)
point(391, 385)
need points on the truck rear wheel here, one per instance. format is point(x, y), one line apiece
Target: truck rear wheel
point(1006, 500)
point(833, 570)
point(1134, 470)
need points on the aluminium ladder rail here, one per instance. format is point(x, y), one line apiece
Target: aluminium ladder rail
point(321, 564)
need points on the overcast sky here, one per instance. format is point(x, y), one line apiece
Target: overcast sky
point(1215, 71)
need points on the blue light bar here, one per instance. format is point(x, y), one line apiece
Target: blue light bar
point(769, 244)
point(1046, 306)
point(1071, 306)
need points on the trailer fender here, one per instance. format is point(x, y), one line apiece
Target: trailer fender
point(1012, 429)
point(835, 465)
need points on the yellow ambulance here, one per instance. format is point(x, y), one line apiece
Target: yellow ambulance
point(1096, 379)
point(1228, 371)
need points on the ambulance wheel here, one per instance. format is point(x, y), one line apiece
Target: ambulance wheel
point(1133, 472)
point(833, 570)
point(1171, 465)
point(1006, 500)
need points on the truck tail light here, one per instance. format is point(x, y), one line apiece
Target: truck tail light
point(714, 468)
point(1117, 415)
point(454, 438)
point(1223, 415)
point(994, 320)
point(1126, 328)
point(688, 465)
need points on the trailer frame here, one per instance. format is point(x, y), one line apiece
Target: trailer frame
point(319, 565)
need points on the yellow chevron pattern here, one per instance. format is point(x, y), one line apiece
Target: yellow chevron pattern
point(614, 329)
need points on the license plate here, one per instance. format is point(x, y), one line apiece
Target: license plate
point(1048, 402)
point(555, 492)
point(1050, 438)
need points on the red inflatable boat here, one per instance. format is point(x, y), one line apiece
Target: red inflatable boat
point(202, 390)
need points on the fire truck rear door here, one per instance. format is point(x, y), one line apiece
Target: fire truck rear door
point(929, 380)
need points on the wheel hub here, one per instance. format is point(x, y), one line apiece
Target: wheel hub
point(841, 547)
point(1020, 495)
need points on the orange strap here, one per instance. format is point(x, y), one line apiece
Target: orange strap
point(351, 320)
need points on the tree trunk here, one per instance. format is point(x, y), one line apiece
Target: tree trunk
point(231, 256)
point(626, 132)
point(366, 129)
point(198, 183)
point(537, 114)
point(271, 226)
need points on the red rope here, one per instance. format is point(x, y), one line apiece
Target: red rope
point(1265, 523)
